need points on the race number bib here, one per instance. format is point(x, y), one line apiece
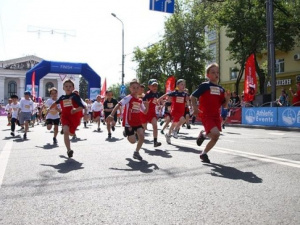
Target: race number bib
point(136, 106)
point(67, 103)
point(53, 111)
point(180, 99)
point(215, 90)
point(27, 106)
point(110, 105)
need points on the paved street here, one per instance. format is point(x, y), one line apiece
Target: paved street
point(253, 179)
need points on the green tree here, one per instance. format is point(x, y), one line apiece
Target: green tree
point(245, 23)
point(83, 88)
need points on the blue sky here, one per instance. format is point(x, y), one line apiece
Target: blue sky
point(98, 37)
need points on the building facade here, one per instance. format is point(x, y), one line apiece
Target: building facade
point(287, 65)
point(13, 74)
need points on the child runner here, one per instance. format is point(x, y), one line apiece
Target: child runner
point(97, 107)
point(141, 95)
point(52, 115)
point(87, 111)
point(25, 112)
point(131, 117)
point(14, 113)
point(179, 99)
point(152, 96)
point(8, 110)
point(71, 113)
point(109, 104)
point(211, 97)
point(167, 116)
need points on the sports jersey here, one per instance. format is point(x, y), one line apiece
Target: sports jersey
point(211, 97)
point(53, 113)
point(178, 101)
point(14, 110)
point(97, 106)
point(151, 97)
point(26, 105)
point(68, 102)
point(133, 107)
point(110, 104)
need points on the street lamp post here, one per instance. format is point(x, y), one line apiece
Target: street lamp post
point(123, 56)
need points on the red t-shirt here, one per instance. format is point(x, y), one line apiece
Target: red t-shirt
point(68, 102)
point(133, 107)
point(152, 99)
point(178, 102)
point(211, 97)
point(296, 99)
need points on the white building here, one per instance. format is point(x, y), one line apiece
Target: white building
point(13, 73)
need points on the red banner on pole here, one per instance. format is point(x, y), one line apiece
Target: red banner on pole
point(33, 84)
point(103, 89)
point(170, 84)
point(250, 85)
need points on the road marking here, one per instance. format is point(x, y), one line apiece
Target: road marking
point(265, 158)
point(277, 134)
point(4, 156)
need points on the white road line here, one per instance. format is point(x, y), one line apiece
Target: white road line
point(277, 134)
point(265, 158)
point(4, 156)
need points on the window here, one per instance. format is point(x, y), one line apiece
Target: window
point(12, 88)
point(279, 65)
point(233, 73)
point(213, 52)
point(48, 86)
point(211, 35)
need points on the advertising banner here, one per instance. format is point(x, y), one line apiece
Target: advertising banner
point(289, 116)
point(170, 84)
point(250, 85)
point(3, 112)
point(265, 116)
point(94, 92)
point(63, 67)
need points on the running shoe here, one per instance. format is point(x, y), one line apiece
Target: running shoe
point(175, 134)
point(70, 153)
point(200, 138)
point(62, 131)
point(168, 138)
point(223, 126)
point(204, 158)
point(54, 140)
point(162, 132)
point(109, 135)
point(157, 144)
point(136, 155)
point(99, 129)
point(25, 136)
point(124, 133)
point(162, 122)
point(74, 138)
point(113, 128)
point(12, 134)
point(188, 126)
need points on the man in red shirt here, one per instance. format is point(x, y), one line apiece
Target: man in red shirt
point(296, 95)
point(211, 97)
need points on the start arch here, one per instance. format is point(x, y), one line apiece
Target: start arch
point(44, 67)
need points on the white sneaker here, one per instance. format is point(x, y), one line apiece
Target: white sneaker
point(175, 135)
point(168, 138)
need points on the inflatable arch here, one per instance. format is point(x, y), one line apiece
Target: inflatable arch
point(45, 67)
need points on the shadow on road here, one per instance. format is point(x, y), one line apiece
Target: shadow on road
point(232, 173)
point(48, 146)
point(67, 166)
point(158, 152)
point(142, 166)
point(187, 149)
point(77, 139)
point(11, 137)
point(113, 139)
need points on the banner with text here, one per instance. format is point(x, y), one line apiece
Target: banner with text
point(289, 116)
point(265, 116)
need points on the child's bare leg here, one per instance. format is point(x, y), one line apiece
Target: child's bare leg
point(55, 130)
point(214, 135)
point(179, 124)
point(154, 125)
point(66, 137)
point(140, 133)
point(131, 139)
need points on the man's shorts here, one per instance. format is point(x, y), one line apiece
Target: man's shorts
point(143, 117)
point(96, 114)
point(33, 116)
point(130, 130)
point(176, 117)
point(72, 121)
point(108, 114)
point(52, 121)
point(150, 117)
point(24, 116)
point(211, 122)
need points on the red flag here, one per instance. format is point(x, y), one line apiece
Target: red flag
point(170, 84)
point(103, 89)
point(33, 84)
point(250, 85)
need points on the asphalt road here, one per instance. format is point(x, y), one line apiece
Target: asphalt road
point(253, 179)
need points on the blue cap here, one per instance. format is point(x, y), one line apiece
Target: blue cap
point(27, 93)
point(152, 82)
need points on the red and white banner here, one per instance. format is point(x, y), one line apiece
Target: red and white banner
point(103, 89)
point(170, 84)
point(250, 85)
point(33, 84)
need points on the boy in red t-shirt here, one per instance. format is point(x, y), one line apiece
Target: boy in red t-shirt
point(152, 97)
point(179, 99)
point(71, 112)
point(296, 95)
point(211, 97)
point(132, 120)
